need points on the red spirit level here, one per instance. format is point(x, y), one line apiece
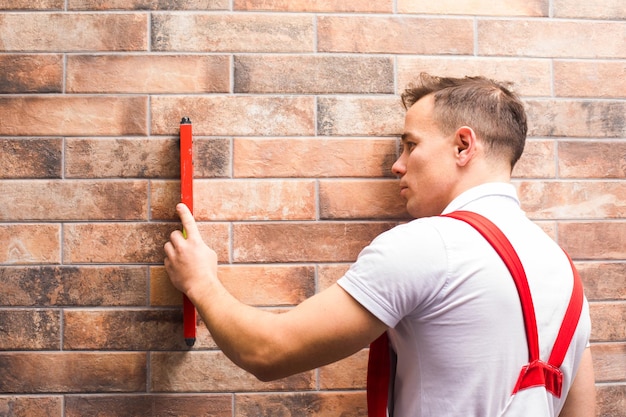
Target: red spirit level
point(186, 195)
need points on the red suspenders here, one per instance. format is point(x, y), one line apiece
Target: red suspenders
point(378, 377)
point(537, 372)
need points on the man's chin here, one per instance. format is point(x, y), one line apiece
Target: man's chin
point(414, 212)
point(420, 212)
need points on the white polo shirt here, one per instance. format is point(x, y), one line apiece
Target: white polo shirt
point(453, 310)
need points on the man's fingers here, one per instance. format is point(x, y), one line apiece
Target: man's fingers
point(189, 224)
point(169, 249)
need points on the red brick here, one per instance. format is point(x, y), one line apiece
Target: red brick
point(348, 373)
point(149, 405)
point(204, 340)
point(609, 361)
point(589, 78)
point(211, 371)
point(239, 200)
point(573, 199)
point(131, 242)
point(603, 280)
point(361, 199)
point(382, 34)
point(592, 159)
point(606, 9)
point(164, 195)
point(593, 240)
point(73, 116)
point(551, 38)
point(31, 158)
point(318, 404)
point(329, 274)
point(235, 115)
point(353, 116)
point(108, 405)
point(72, 372)
point(31, 406)
point(32, 5)
point(549, 227)
point(609, 321)
point(610, 400)
point(530, 77)
point(232, 32)
point(30, 329)
point(537, 161)
point(476, 7)
point(147, 5)
point(279, 285)
point(74, 200)
point(575, 118)
point(217, 236)
point(331, 6)
point(30, 244)
point(31, 73)
point(313, 74)
point(314, 157)
point(142, 158)
point(162, 292)
point(121, 158)
point(123, 330)
point(145, 74)
point(212, 158)
point(302, 242)
point(205, 404)
point(51, 32)
point(74, 286)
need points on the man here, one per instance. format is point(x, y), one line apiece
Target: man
point(441, 292)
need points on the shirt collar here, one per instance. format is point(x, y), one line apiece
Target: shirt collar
point(501, 189)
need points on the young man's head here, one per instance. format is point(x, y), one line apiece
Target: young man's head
point(459, 133)
point(494, 112)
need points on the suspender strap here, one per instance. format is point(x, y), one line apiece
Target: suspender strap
point(504, 248)
point(378, 377)
point(570, 322)
point(537, 372)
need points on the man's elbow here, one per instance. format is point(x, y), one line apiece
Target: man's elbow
point(265, 365)
point(266, 374)
point(268, 371)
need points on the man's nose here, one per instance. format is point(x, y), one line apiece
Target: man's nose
point(399, 167)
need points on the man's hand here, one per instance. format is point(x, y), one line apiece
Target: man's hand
point(190, 263)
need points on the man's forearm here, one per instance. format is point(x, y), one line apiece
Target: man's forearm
point(323, 329)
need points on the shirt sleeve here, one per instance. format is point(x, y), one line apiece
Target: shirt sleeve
point(399, 273)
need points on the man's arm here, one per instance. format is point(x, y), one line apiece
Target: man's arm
point(324, 328)
point(581, 398)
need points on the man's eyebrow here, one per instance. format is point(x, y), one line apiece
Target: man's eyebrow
point(406, 136)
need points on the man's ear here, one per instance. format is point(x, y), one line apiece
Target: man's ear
point(465, 142)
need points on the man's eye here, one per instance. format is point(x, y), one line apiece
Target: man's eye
point(407, 147)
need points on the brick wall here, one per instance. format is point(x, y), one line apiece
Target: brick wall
point(296, 114)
